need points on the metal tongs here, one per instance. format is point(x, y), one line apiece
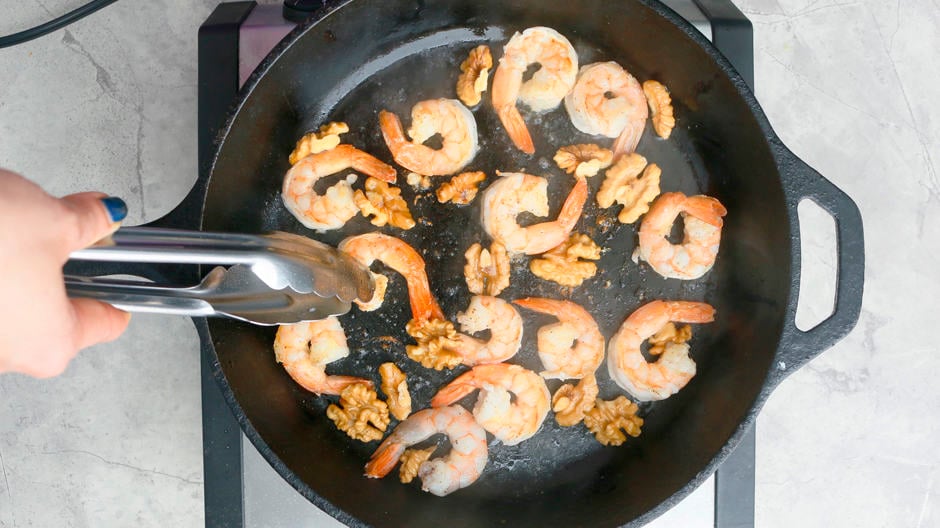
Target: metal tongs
point(277, 278)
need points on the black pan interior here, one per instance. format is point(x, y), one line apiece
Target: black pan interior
point(373, 55)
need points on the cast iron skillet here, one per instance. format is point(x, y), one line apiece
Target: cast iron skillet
point(366, 55)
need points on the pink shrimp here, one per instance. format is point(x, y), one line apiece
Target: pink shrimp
point(304, 349)
point(443, 475)
point(647, 381)
point(696, 255)
point(402, 258)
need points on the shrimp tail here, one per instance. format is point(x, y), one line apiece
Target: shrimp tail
point(691, 312)
point(571, 209)
point(384, 459)
point(516, 128)
point(325, 384)
point(538, 304)
point(369, 164)
point(455, 390)
point(319, 383)
point(423, 304)
point(336, 384)
point(706, 209)
point(392, 131)
point(628, 139)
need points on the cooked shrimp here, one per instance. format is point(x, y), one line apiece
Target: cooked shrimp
point(304, 349)
point(571, 348)
point(696, 255)
point(661, 379)
point(333, 209)
point(447, 117)
point(512, 404)
point(440, 476)
point(402, 258)
point(515, 193)
point(547, 87)
point(608, 101)
point(504, 324)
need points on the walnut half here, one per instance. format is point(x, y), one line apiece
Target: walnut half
point(584, 159)
point(487, 270)
point(657, 96)
point(571, 402)
point(631, 183)
point(384, 203)
point(461, 189)
point(563, 264)
point(360, 413)
point(608, 418)
point(474, 73)
point(411, 461)
point(436, 339)
point(669, 334)
point(395, 387)
point(327, 138)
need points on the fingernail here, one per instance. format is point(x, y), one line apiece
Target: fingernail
point(116, 207)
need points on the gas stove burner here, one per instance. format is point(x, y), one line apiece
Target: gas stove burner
point(241, 489)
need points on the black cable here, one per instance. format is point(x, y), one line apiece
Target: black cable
point(52, 25)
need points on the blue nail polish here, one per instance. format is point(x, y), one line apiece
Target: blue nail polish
point(117, 209)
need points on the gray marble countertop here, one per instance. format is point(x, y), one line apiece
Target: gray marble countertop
point(849, 440)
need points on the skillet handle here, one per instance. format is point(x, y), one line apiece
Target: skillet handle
point(797, 347)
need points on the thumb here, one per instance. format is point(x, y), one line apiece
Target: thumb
point(96, 322)
point(91, 217)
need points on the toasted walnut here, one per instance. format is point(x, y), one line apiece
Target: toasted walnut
point(360, 413)
point(325, 139)
point(411, 460)
point(657, 96)
point(475, 72)
point(395, 387)
point(436, 340)
point(607, 418)
point(625, 185)
point(384, 203)
point(669, 334)
point(487, 270)
point(563, 265)
point(583, 160)
point(461, 189)
point(418, 181)
point(570, 402)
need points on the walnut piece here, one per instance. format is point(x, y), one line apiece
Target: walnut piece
point(657, 97)
point(384, 203)
point(487, 270)
point(461, 189)
point(360, 413)
point(475, 72)
point(583, 160)
point(570, 402)
point(411, 460)
point(395, 387)
point(669, 334)
point(418, 181)
point(625, 185)
point(563, 265)
point(607, 418)
point(325, 139)
point(436, 340)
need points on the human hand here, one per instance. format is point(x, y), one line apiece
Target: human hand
point(41, 329)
